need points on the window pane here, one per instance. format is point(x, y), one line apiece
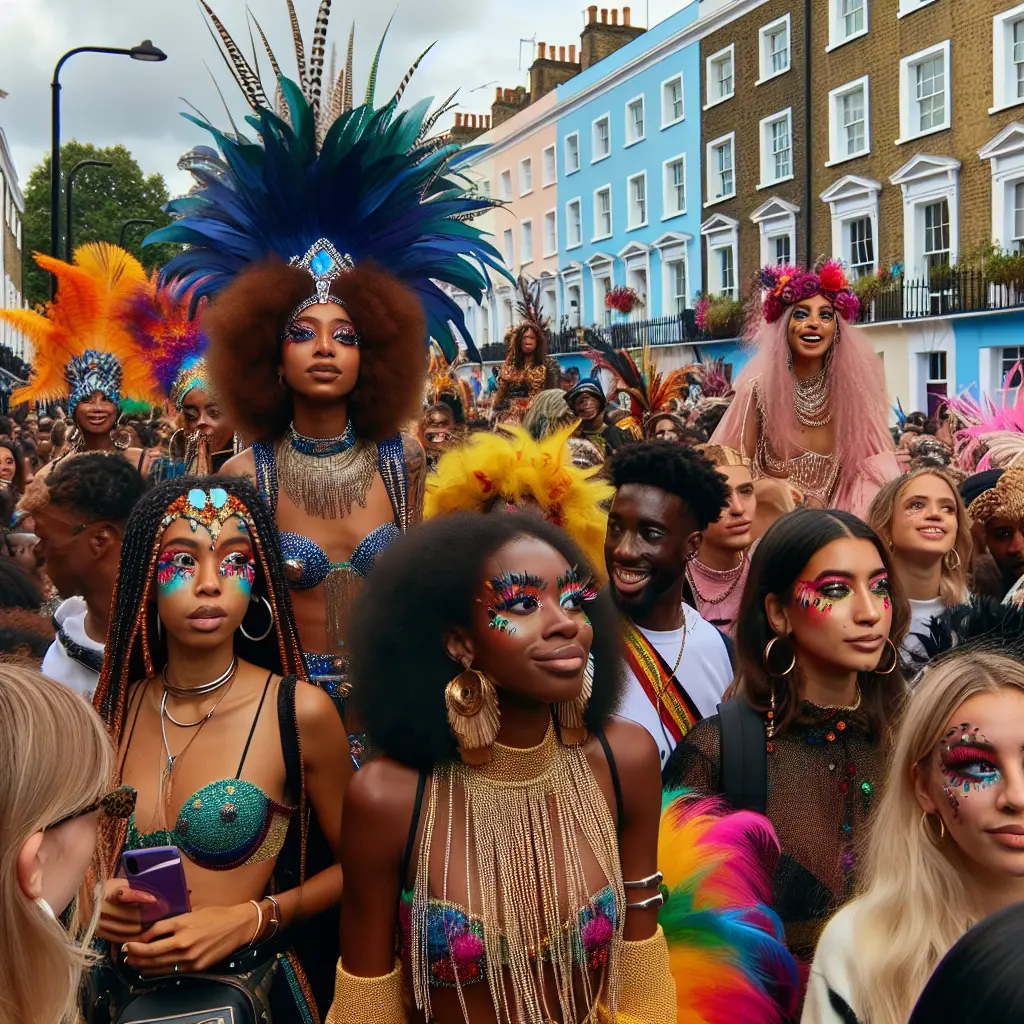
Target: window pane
point(852, 12)
point(1018, 211)
point(572, 153)
point(853, 121)
point(674, 100)
point(723, 76)
point(862, 247)
point(1018, 56)
point(678, 283)
point(723, 157)
point(727, 270)
point(783, 250)
point(676, 198)
point(780, 149)
point(931, 92)
point(936, 234)
point(778, 48)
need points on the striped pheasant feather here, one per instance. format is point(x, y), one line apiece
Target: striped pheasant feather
point(316, 57)
point(300, 50)
point(243, 72)
point(346, 99)
point(371, 82)
point(270, 53)
point(408, 75)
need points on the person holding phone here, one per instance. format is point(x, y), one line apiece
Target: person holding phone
point(228, 753)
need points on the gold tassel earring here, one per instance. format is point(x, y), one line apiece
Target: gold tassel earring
point(473, 716)
point(570, 713)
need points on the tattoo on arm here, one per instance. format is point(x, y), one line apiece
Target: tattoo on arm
point(416, 473)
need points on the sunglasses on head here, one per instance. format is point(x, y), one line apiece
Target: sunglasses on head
point(118, 803)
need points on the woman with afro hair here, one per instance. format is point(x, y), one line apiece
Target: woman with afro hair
point(811, 406)
point(509, 812)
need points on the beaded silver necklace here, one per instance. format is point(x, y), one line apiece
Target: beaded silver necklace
point(812, 398)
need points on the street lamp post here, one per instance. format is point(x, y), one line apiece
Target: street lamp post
point(68, 247)
point(144, 51)
point(128, 223)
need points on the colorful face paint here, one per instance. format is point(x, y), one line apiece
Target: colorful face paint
point(239, 566)
point(813, 600)
point(174, 569)
point(500, 623)
point(573, 592)
point(967, 762)
point(880, 588)
point(516, 592)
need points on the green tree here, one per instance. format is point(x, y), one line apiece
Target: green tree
point(104, 198)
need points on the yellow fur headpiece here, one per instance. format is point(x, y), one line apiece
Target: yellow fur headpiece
point(513, 469)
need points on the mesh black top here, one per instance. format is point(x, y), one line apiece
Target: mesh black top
point(822, 775)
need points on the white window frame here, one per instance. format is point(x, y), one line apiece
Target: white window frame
point(836, 27)
point(765, 72)
point(611, 214)
point(774, 219)
point(836, 130)
point(550, 217)
point(869, 267)
point(709, 64)
point(602, 268)
point(910, 6)
point(548, 179)
point(636, 265)
point(718, 232)
point(572, 278)
point(569, 169)
point(850, 199)
point(668, 210)
point(525, 251)
point(632, 225)
point(632, 140)
point(525, 176)
point(729, 137)
point(674, 249)
point(1003, 75)
point(924, 180)
point(908, 100)
point(578, 203)
point(667, 120)
point(505, 184)
point(768, 179)
point(508, 248)
point(594, 158)
point(1005, 154)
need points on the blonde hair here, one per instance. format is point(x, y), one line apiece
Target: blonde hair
point(548, 412)
point(55, 759)
point(915, 903)
point(952, 582)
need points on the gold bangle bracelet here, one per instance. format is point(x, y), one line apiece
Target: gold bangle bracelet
point(259, 925)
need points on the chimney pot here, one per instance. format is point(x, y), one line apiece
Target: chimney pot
point(497, 94)
point(474, 124)
point(458, 120)
point(625, 16)
point(541, 47)
point(591, 14)
point(509, 95)
point(561, 54)
point(615, 16)
point(604, 15)
point(572, 54)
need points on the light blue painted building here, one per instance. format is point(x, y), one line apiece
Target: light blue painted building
point(629, 190)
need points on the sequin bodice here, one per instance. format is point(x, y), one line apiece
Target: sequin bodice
point(224, 825)
point(815, 474)
point(455, 938)
point(307, 564)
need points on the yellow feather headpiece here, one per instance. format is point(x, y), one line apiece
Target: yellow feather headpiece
point(80, 343)
point(513, 468)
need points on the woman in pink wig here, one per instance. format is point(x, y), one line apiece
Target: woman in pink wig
point(811, 406)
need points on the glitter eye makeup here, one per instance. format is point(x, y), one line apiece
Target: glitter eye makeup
point(346, 334)
point(967, 763)
point(173, 569)
point(515, 592)
point(500, 623)
point(239, 566)
point(880, 588)
point(818, 596)
point(573, 592)
point(296, 334)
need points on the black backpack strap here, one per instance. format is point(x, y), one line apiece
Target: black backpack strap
point(744, 755)
point(730, 649)
point(613, 768)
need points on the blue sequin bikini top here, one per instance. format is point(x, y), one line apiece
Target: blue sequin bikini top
point(225, 824)
point(312, 560)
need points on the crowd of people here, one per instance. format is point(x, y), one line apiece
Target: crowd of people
point(332, 690)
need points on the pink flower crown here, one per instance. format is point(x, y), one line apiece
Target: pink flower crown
point(787, 285)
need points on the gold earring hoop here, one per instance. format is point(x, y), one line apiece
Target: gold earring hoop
point(895, 661)
point(928, 829)
point(472, 704)
point(766, 660)
point(950, 554)
point(569, 714)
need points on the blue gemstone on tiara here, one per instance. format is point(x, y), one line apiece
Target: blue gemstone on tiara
point(321, 264)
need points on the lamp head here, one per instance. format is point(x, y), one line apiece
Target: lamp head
point(147, 51)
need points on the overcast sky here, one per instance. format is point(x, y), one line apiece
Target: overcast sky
point(111, 99)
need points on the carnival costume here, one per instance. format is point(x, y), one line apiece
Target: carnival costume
point(991, 432)
point(848, 392)
point(522, 377)
point(338, 204)
point(509, 470)
point(449, 398)
point(80, 344)
point(229, 823)
point(174, 345)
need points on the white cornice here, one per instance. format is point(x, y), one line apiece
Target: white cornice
point(690, 33)
point(10, 173)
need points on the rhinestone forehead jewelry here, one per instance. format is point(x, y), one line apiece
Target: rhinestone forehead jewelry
point(211, 510)
point(323, 263)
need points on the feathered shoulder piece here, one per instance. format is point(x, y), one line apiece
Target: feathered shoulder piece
point(982, 625)
point(727, 948)
point(80, 342)
point(370, 185)
point(169, 340)
point(785, 285)
point(649, 391)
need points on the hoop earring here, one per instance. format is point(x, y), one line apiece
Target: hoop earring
point(895, 661)
point(952, 552)
point(766, 662)
point(569, 714)
point(472, 704)
point(266, 632)
point(928, 829)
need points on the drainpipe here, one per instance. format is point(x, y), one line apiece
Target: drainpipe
point(808, 163)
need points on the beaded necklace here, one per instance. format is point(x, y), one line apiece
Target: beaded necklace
point(716, 575)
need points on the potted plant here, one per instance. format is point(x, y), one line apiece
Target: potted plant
point(720, 316)
point(623, 299)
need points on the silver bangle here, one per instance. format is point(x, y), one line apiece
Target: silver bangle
point(645, 883)
point(652, 902)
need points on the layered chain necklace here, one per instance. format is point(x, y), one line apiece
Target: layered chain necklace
point(730, 576)
point(326, 476)
point(812, 398)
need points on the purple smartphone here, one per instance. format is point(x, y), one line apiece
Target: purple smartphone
point(159, 872)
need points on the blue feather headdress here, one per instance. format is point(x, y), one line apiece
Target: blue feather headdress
point(370, 183)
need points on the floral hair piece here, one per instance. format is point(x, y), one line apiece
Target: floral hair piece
point(208, 509)
point(787, 285)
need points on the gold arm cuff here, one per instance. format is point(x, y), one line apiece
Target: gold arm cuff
point(367, 1000)
point(647, 991)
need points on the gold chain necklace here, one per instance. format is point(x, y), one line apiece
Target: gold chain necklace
point(326, 486)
